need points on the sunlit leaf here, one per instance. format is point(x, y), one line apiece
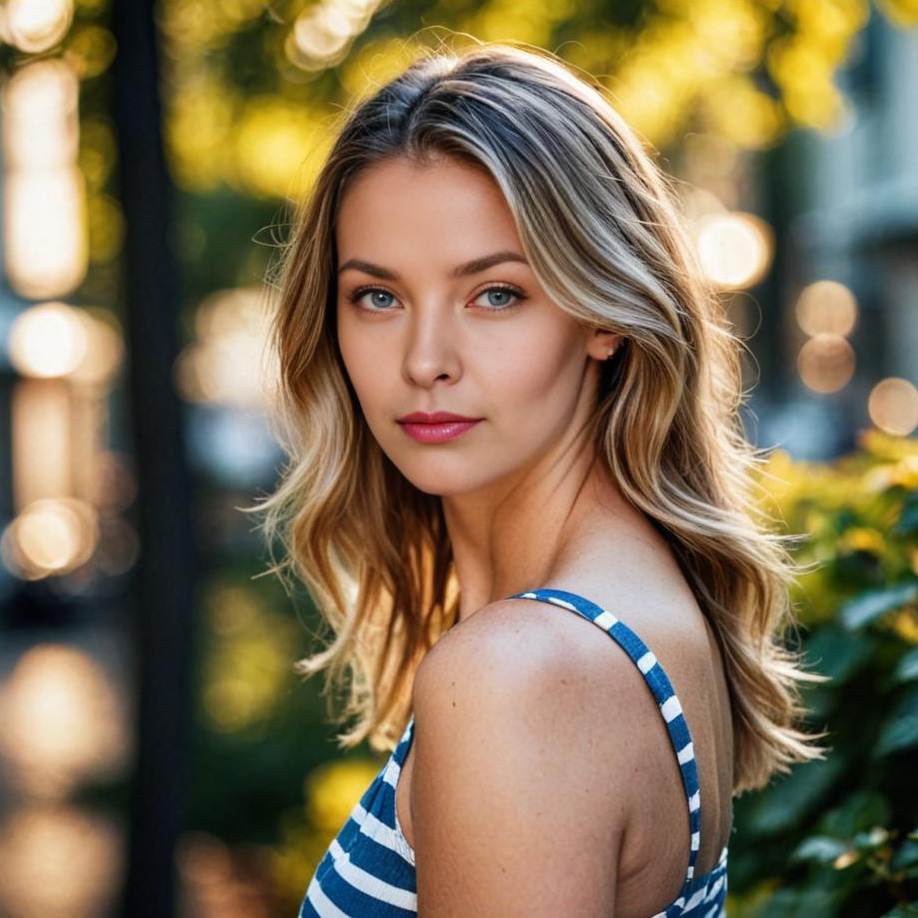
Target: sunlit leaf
point(872, 840)
point(907, 667)
point(906, 856)
point(789, 801)
point(903, 911)
point(860, 812)
point(837, 653)
point(804, 902)
point(908, 522)
point(900, 729)
point(819, 848)
point(869, 606)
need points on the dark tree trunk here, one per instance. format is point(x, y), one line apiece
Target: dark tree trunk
point(164, 585)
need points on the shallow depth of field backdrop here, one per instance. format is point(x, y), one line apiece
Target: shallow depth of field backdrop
point(157, 754)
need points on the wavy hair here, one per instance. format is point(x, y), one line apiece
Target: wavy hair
point(600, 227)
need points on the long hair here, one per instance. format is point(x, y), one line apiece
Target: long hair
point(600, 227)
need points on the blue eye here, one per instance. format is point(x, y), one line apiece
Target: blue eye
point(361, 292)
point(506, 293)
point(503, 291)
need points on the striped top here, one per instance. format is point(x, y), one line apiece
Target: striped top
point(368, 870)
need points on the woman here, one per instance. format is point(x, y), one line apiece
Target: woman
point(508, 396)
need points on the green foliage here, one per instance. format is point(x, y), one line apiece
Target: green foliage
point(838, 838)
point(265, 768)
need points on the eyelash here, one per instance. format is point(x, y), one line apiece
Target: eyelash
point(361, 292)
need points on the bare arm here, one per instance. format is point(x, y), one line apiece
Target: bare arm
point(515, 809)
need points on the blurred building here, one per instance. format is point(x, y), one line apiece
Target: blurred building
point(847, 260)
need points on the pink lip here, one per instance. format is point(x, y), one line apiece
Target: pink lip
point(438, 417)
point(436, 433)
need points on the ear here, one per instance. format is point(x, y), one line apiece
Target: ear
point(603, 344)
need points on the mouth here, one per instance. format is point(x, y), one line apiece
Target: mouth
point(438, 431)
point(438, 417)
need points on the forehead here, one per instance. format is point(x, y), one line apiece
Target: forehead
point(431, 202)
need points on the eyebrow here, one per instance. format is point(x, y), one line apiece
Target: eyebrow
point(475, 266)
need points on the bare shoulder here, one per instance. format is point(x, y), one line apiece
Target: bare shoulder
point(542, 674)
point(510, 734)
point(530, 656)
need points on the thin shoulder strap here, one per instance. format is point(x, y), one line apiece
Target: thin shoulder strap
point(663, 692)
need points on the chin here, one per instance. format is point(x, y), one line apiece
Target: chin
point(438, 479)
point(436, 485)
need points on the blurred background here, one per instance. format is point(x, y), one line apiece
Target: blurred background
point(157, 754)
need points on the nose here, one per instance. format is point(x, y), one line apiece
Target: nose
point(430, 349)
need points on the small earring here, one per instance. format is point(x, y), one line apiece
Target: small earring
point(611, 354)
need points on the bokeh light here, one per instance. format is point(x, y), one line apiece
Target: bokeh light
point(322, 34)
point(893, 406)
point(826, 363)
point(332, 790)
point(50, 536)
point(45, 221)
point(63, 721)
point(735, 249)
point(35, 25)
point(60, 859)
point(826, 307)
point(40, 107)
point(48, 341)
point(247, 666)
point(230, 362)
point(46, 244)
point(56, 340)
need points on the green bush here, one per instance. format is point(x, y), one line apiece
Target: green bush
point(838, 838)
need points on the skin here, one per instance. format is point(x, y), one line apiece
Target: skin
point(526, 505)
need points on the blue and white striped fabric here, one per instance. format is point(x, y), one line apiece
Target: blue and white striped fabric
point(368, 870)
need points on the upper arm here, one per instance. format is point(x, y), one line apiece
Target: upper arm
point(518, 808)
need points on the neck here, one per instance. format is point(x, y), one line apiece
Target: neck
point(519, 534)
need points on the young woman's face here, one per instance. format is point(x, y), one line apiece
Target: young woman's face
point(423, 328)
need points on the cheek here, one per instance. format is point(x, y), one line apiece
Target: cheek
point(361, 361)
point(539, 371)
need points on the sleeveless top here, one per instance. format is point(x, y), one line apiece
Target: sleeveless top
point(368, 870)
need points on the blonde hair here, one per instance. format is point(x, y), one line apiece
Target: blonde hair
point(600, 228)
